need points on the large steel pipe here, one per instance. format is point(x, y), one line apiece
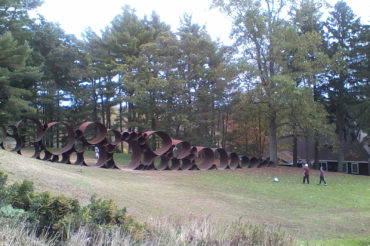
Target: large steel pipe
point(204, 158)
point(175, 164)
point(14, 134)
point(253, 162)
point(188, 163)
point(262, 163)
point(163, 164)
point(70, 139)
point(100, 132)
point(244, 161)
point(181, 149)
point(105, 157)
point(148, 158)
point(80, 146)
point(234, 160)
point(164, 145)
point(39, 127)
point(130, 136)
point(136, 154)
point(113, 138)
point(221, 158)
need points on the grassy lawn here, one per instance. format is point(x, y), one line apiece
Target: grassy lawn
point(337, 214)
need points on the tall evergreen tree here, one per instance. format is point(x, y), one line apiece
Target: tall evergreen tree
point(16, 79)
point(344, 78)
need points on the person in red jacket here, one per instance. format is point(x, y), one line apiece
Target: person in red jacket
point(306, 172)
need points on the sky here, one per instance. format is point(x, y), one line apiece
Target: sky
point(74, 16)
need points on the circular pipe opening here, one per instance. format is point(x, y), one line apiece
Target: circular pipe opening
point(204, 158)
point(58, 138)
point(244, 161)
point(159, 142)
point(221, 158)
point(93, 132)
point(181, 149)
point(234, 160)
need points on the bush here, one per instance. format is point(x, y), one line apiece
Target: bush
point(101, 211)
point(48, 210)
point(9, 212)
point(3, 178)
point(19, 195)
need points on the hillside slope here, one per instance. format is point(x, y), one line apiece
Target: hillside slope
point(341, 208)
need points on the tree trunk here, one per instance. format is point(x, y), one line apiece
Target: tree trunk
point(273, 138)
point(225, 122)
point(120, 123)
point(109, 123)
point(316, 152)
point(260, 144)
point(307, 148)
point(95, 98)
point(341, 149)
point(102, 110)
point(130, 116)
point(295, 151)
point(153, 124)
point(340, 134)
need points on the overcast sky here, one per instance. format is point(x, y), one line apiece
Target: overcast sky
point(74, 16)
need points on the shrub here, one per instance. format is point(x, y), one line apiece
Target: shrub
point(3, 178)
point(101, 211)
point(19, 195)
point(9, 212)
point(48, 210)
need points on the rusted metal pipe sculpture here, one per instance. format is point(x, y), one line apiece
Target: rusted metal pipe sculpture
point(221, 158)
point(37, 140)
point(253, 162)
point(204, 158)
point(151, 150)
point(244, 161)
point(234, 160)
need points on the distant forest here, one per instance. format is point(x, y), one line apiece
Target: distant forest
point(292, 71)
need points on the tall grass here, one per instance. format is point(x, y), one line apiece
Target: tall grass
point(16, 231)
point(192, 231)
point(205, 231)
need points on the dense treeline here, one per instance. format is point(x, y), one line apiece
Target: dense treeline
point(290, 73)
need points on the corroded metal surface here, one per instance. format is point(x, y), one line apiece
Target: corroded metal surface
point(221, 158)
point(234, 160)
point(204, 158)
point(150, 150)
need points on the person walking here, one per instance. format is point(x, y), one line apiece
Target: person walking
point(306, 173)
point(322, 176)
point(97, 152)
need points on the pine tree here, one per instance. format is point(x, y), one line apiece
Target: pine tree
point(16, 79)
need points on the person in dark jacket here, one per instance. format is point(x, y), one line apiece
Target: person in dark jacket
point(322, 176)
point(306, 173)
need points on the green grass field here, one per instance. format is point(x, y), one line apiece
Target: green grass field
point(337, 214)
